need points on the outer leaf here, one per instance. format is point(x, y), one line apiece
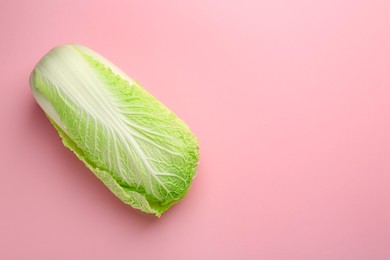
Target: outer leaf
point(139, 149)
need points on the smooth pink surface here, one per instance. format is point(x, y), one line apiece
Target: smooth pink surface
point(290, 101)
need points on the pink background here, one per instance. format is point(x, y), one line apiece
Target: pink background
point(290, 100)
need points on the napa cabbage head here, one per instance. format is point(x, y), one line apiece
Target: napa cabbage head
point(134, 144)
